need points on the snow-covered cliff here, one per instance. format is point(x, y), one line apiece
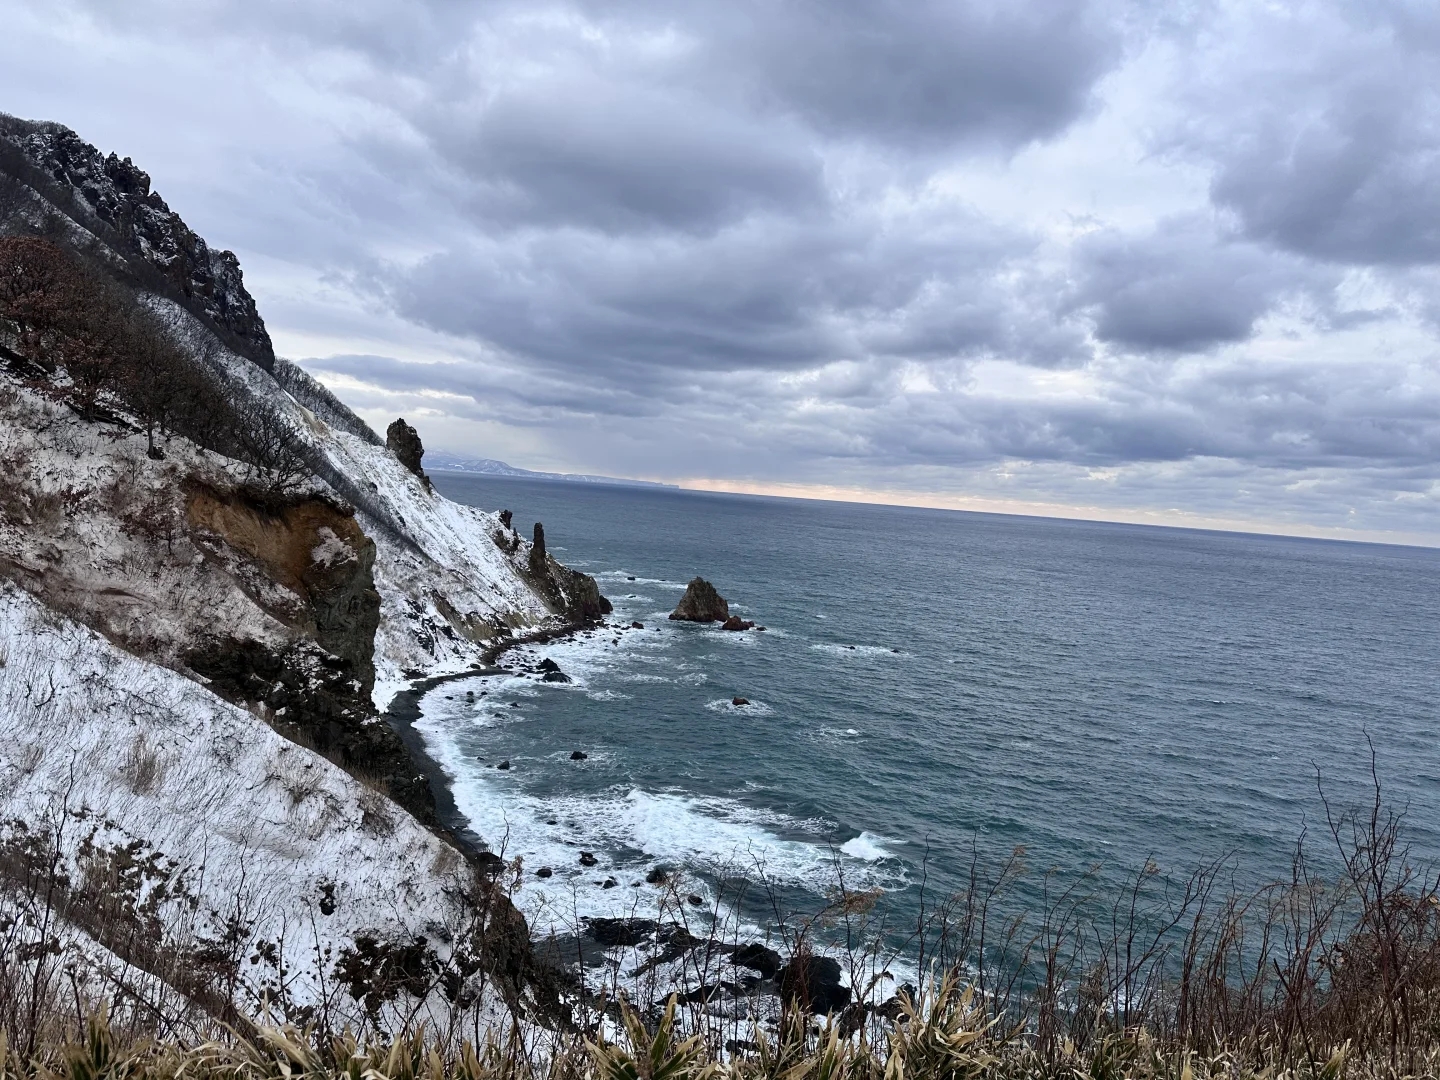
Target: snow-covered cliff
point(206, 600)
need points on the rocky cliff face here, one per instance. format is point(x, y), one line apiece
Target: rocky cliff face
point(145, 229)
point(280, 577)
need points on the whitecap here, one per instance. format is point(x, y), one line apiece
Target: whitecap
point(867, 847)
point(856, 650)
point(726, 705)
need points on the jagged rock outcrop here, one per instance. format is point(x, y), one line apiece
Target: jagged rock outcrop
point(701, 603)
point(403, 441)
point(144, 229)
point(537, 550)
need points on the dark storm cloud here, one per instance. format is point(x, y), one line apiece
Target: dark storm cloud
point(920, 73)
point(585, 153)
point(767, 292)
point(1181, 286)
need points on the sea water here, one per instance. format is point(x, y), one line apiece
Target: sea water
point(933, 685)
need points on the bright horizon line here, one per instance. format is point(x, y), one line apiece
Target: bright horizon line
point(1170, 518)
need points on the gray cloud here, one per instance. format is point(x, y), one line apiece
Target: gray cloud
point(1182, 287)
point(1069, 251)
point(1325, 131)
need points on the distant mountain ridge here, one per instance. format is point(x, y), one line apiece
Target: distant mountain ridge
point(492, 467)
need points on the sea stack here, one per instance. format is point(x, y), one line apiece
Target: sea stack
point(537, 550)
point(701, 603)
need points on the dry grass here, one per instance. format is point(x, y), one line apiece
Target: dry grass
point(1315, 975)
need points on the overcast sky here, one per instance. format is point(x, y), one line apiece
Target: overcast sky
point(1150, 261)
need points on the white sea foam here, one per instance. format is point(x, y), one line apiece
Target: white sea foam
point(856, 650)
point(635, 579)
point(629, 831)
point(867, 847)
point(726, 705)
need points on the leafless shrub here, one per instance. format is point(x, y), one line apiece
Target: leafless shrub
point(144, 766)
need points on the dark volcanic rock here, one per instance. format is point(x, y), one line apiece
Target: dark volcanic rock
point(656, 877)
point(488, 862)
point(613, 932)
point(544, 871)
point(578, 755)
point(739, 701)
point(547, 665)
point(403, 441)
point(114, 200)
point(734, 622)
point(637, 626)
point(555, 676)
point(318, 705)
point(813, 983)
point(568, 591)
point(588, 858)
point(504, 766)
point(701, 603)
point(537, 550)
point(757, 958)
point(506, 517)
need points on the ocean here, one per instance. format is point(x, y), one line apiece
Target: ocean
point(933, 685)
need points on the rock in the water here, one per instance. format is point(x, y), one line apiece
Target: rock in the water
point(734, 622)
point(757, 958)
point(403, 441)
point(611, 933)
point(656, 877)
point(547, 665)
point(504, 765)
point(555, 676)
point(578, 755)
point(739, 701)
point(693, 900)
point(637, 626)
point(813, 983)
point(609, 883)
point(701, 603)
point(588, 858)
point(544, 871)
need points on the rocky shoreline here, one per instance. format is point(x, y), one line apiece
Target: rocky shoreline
point(736, 976)
point(404, 710)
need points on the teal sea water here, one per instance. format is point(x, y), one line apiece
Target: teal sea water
point(1096, 693)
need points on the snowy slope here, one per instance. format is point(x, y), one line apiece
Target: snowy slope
point(115, 751)
point(447, 589)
